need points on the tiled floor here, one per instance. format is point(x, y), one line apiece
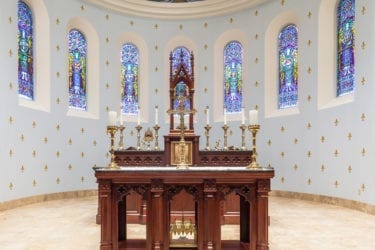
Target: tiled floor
point(295, 224)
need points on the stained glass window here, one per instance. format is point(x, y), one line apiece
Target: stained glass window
point(345, 47)
point(129, 79)
point(77, 61)
point(181, 55)
point(233, 54)
point(25, 51)
point(288, 66)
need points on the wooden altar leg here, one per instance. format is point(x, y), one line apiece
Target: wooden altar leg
point(105, 197)
point(263, 187)
point(158, 211)
point(211, 217)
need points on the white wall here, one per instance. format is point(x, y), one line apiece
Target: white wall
point(295, 171)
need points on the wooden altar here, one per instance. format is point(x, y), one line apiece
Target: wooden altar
point(207, 185)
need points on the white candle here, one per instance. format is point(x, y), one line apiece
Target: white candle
point(207, 115)
point(253, 117)
point(225, 116)
point(243, 115)
point(139, 117)
point(112, 116)
point(121, 119)
point(156, 115)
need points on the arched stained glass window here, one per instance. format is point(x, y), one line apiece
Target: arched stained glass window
point(233, 54)
point(345, 47)
point(288, 66)
point(181, 55)
point(25, 51)
point(77, 61)
point(129, 79)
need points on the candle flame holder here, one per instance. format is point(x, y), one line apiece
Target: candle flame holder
point(254, 130)
point(111, 130)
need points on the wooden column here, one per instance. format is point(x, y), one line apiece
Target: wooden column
point(105, 198)
point(211, 216)
point(158, 213)
point(263, 187)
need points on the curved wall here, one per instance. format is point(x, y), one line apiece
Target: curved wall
point(317, 150)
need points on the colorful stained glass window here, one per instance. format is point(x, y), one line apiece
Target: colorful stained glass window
point(345, 47)
point(25, 51)
point(129, 79)
point(77, 63)
point(181, 55)
point(288, 67)
point(233, 54)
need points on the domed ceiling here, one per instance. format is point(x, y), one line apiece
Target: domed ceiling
point(176, 9)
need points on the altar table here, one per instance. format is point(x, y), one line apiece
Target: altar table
point(208, 186)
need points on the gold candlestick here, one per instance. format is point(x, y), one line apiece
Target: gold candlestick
point(207, 133)
point(121, 142)
point(156, 128)
point(225, 128)
point(138, 128)
point(112, 131)
point(254, 130)
point(243, 143)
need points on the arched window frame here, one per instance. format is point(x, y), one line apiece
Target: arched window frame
point(271, 70)
point(92, 81)
point(233, 82)
point(218, 76)
point(41, 57)
point(327, 58)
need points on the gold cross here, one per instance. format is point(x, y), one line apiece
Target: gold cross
point(336, 153)
point(363, 81)
point(363, 117)
point(363, 152)
point(363, 10)
point(336, 122)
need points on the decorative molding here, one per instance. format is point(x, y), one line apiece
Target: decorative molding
point(45, 197)
point(356, 205)
point(178, 11)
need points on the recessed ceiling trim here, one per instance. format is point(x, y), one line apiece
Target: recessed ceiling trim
point(162, 10)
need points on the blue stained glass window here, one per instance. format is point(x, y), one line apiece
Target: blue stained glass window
point(25, 51)
point(129, 79)
point(180, 55)
point(345, 47)
point(77, 63)
point(288, 67)
point(233, 54)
